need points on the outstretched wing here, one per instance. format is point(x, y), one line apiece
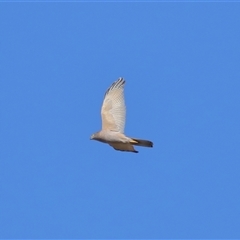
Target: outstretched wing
point(125, 147)
point(113, 108)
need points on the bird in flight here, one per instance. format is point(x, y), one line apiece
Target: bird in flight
point(113, 114)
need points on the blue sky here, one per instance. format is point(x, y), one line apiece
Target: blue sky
point(181, 65)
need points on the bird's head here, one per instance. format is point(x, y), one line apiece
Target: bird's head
point(94, 136)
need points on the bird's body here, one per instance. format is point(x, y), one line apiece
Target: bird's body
point(113, 121)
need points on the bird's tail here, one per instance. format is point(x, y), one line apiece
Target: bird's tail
point(141, 142)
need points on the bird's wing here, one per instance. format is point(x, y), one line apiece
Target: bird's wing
point(113, 108)
point(126, 147)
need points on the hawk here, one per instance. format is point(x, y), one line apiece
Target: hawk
point(113, 114)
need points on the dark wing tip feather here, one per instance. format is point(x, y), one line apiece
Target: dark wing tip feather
point(134, 151)
point(117, 84)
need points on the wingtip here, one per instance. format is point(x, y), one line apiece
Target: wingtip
point(117, 84)
point(120, 80)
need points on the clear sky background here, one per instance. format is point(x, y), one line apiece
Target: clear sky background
point(181, 62)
